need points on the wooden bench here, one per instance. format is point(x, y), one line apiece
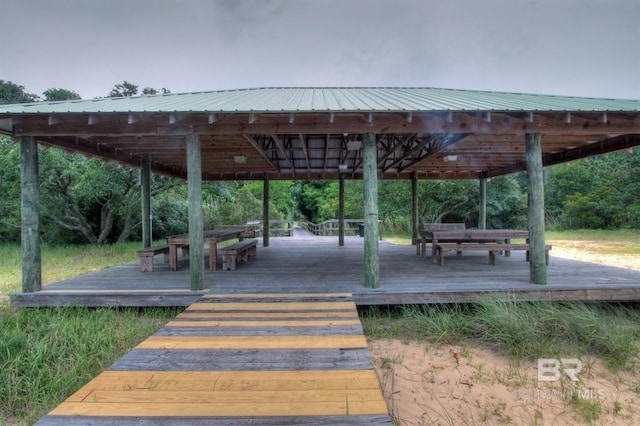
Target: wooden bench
point(492, 248)
point(146, 255)
point(238, 252)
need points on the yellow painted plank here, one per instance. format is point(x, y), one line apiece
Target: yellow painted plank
point(267, 306)
point(244, 375)
point(234, 397)
point(276, 295)
point(227, 385)
point(220, 409)
point(229, 381)
point(318, 314)
point(283, 323)
point(253, 342)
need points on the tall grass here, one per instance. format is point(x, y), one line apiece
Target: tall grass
point(525, 330)
point(47, 354)
point(62, 262)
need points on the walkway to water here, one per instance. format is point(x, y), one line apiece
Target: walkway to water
point(273, 359)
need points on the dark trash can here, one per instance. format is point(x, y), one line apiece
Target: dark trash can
point(361, 230)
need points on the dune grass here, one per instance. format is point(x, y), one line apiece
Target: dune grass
point(47, 354)
point(62, 262)
point(524, 330)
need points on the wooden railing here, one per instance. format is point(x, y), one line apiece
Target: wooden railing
point(277, 228)
point(330, 227)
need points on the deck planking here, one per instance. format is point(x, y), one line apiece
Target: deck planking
point(317, 265)
point(262, 370)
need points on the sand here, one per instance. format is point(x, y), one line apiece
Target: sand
point(470, 385)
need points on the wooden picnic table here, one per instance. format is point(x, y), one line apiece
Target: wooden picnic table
point(469, 235)
point(212, 238)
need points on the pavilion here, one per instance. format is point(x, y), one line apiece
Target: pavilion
point(320, 133)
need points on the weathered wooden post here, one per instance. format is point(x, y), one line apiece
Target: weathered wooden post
point(145, 192)
point(482, 215)
point(265, 212)
point(341, 211)
point(414, 211)
point(30, 212)
point(196, 221)
point(370, 175)
point(537, 265)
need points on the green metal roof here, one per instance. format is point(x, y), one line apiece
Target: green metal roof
point(330, 99)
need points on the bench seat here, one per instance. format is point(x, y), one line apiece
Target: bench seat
point(492, 248)
point(146, 256)
point(238, 252)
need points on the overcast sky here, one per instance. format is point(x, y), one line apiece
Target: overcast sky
point(563, 47)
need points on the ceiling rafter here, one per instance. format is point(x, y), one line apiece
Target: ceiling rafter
point(615, 143)
point(327, 139)
point(305, 150)
point(260, 151)
point(442, 142)
point(282, 150)
point(396, 143)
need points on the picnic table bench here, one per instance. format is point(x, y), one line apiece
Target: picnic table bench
point(238, 252)
point(146, 255)
point(492, 248)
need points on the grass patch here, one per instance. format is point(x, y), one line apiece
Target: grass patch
point(524, 330)
point(63, 262)
point(47, 354)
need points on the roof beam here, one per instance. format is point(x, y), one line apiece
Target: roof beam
point(612, 144)
point(282, 150)
point(260, 151)
point(441, 144)
point(326, 150)
point(148, 124)
point(305, 150)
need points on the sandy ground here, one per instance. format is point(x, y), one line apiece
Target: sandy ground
point(588, 251)
point(469, 385)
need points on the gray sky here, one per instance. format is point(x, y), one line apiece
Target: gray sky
point(563, 47)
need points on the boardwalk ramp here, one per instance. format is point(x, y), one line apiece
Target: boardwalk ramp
point(236, 359)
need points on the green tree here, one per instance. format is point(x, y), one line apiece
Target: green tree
point(126, 88)
point(11, 93)
point(10, 190)
point(51, 95)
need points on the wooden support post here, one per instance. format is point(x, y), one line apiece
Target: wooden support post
point(196, 221)
point(145, 190)
point(265, 212)
point(341, 212)
point(414, 209)
point(482, 215)
point(30, 211)
point(370, 175)
point(537, 265)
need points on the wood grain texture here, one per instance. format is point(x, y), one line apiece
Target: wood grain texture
point(249, 369)
point(404, 279)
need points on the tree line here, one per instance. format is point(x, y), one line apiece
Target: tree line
point(87, 200)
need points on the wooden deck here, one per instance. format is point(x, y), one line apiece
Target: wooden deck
point(274, 359)
point(317, 265)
